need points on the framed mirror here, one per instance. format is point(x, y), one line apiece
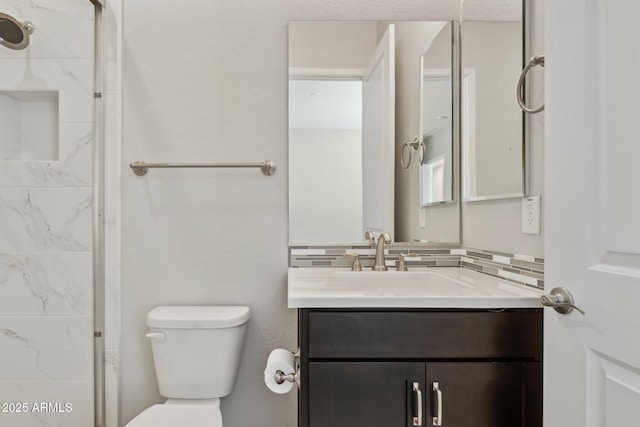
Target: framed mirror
point(494, 150)
point(342, 124)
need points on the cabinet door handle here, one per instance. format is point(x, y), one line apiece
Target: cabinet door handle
point(437, 420)
point(417, 420)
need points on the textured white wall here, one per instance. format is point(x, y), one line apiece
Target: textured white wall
point(203, 81)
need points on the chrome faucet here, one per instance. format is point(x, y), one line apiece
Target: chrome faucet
point(379, 264)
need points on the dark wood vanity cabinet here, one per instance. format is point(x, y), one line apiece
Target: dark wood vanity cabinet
point(358, 367)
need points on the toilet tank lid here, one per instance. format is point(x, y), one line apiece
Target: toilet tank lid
point(198, 317)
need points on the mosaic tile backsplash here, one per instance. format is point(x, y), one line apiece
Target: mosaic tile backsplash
point(521, 269)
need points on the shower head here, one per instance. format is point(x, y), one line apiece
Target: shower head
point(14, 34)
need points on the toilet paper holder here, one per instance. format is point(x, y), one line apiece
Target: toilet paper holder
point(293, 377)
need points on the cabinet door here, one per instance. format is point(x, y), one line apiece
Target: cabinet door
point(485, 394)
point(364, 394)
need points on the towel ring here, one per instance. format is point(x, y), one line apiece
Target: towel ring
point(536, 60)
point(413, 145)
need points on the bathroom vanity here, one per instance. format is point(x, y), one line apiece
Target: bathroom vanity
point(444, 346)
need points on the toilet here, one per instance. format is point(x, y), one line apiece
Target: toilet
point(196, 353)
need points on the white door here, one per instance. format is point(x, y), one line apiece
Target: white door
point(592, 215)
point(378, 136)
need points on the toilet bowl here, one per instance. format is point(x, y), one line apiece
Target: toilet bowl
point(173, 414)
point(196, 354)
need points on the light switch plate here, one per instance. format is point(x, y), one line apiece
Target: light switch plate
point(531, 215)
point(422, 220)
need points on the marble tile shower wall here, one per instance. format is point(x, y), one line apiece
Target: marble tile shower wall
point(46, 277)
point(522, 269)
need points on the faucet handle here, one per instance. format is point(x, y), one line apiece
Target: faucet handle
point(356, 266)
point(402, 263)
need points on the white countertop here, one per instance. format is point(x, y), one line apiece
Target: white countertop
point(439, 287)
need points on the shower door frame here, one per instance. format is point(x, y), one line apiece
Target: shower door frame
point(98, 222)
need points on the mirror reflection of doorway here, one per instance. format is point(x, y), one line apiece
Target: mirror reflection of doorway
point(325, 158)
point(435, 171)
point(337, 194)
point(432, 180)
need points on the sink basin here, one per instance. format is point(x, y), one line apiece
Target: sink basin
point(441, 287)
point(397, 279)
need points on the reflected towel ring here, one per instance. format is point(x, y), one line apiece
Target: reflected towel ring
point(413, 145)
point(536, 60)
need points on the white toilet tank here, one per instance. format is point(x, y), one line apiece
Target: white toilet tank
point(197, 349)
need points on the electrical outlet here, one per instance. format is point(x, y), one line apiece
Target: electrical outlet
point(531, 215)
point(422, 220)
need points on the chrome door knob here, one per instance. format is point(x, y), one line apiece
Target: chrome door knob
point(561, 300)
